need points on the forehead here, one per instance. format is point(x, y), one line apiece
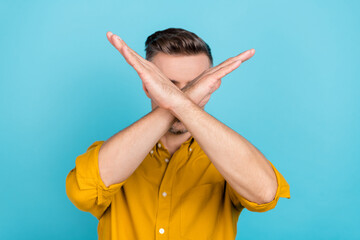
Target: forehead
point(181, 67)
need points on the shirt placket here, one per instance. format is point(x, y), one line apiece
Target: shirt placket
point(164, 194)
point(165, 190)
point(171, 164)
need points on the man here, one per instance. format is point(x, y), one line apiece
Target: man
point(177, 173)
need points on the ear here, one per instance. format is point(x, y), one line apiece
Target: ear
point(146, 91)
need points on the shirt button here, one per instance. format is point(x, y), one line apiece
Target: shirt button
point(152, 151)
point(190, 149)
point(166, 160)
point(164, 194)
point(161, 230)
point(159, 145)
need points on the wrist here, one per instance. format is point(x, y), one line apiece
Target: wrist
point(196, 93)
point(164, 114)
point(184, 102)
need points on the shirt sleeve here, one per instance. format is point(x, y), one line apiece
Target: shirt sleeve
point(84, 186)
point(283, 190)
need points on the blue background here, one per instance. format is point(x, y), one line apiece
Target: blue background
point(63, 86)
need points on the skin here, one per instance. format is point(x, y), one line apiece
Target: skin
point(179, 86)
point(184, 69)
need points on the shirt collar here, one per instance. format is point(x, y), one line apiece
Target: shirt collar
point(188, 144)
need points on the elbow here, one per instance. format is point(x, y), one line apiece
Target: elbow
point(270, 194)
point(82, 199)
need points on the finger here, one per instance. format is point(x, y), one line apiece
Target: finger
point(116, 41)
point(147, 64)
point(242, 56)
point(246, 55)
point(120, 45)
point(133, 61)
point(221, 72)
point(109, 37)
point(144, 61)
point(109, 34)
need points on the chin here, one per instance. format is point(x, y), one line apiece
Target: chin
point(178, 128)
point(178, 132)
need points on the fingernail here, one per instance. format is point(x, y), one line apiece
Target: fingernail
point(118, 37)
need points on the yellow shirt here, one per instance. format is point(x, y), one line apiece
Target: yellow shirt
point(182, 196)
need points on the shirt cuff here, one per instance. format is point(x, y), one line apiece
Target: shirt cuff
point(88, 176)
point(283, 190)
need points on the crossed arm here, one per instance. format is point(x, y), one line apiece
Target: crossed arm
point(242, 165)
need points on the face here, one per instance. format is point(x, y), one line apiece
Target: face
point(180, 69)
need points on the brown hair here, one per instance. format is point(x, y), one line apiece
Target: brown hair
point(176, 41)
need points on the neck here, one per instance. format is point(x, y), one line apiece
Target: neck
point(172, 142)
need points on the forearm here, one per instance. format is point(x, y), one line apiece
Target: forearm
point(122, 153)
point(242, 164)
